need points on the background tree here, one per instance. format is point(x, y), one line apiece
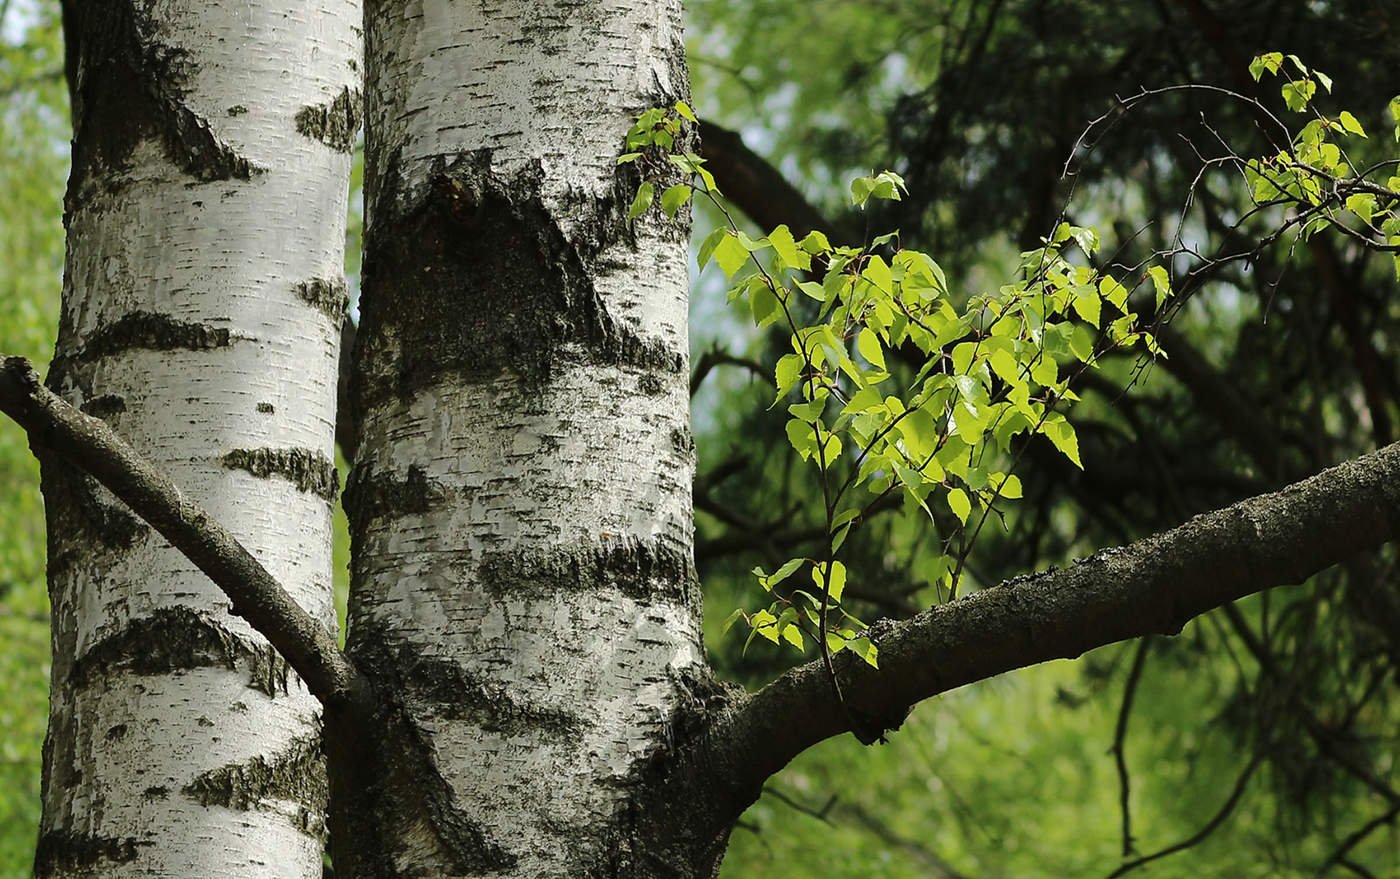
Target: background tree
point(978, 842)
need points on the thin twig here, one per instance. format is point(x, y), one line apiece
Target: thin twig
point(1120, 736)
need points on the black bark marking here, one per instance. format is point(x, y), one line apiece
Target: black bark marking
point(266, 408)
point(399, 776)
point(75, 502)
point(481, 278)
point(447, 690)
point(66, 853)
point(310, 471)
point(104, 406)
point(369, 495)
point(641, 569)
point(297, 774)
point(335, 122)
point(326, 295)
point(177, 639)
point(157, 332)
point(129, 87)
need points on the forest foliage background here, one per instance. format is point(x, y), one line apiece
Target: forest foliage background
point(1271, 725)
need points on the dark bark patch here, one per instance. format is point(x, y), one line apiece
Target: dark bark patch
point(266, 408)
point(156, 792)
point(335, 122)
point(175, 639)
point(104, 406)
point(75, 503)
point(482, 277)
point(62, 853)
point(157, 332)
point(398, 776)
point(641, 569)
point(297, 774)
point(450, 691)
point(370, 495)
point(131, 87)
point(326, 295)
point(310, 471)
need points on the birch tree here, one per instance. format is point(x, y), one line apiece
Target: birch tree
point(179, 743)
point(524, 691)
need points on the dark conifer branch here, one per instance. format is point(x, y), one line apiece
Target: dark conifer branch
point(91, 445)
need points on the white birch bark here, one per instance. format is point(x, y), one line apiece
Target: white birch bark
point(523, 579)
point(201, 315)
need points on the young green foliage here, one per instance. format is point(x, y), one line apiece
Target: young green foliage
point(1314, 176)
point(897, 384)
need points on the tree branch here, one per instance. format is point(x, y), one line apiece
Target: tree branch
point(91, 445)
point(760, 190)
point(1152, 586)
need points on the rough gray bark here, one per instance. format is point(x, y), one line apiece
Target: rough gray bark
point(201, 307)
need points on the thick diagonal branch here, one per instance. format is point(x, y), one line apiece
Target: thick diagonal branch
point(89, 444)
point(1152, 586)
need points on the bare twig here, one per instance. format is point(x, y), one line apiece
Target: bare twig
point(1120, 737)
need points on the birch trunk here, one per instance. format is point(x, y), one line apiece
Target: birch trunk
point(202, 303)
point(523, 588)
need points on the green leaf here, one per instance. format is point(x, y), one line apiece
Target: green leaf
point(1062, 435)
point(868, 344)
point(1087, 304)
point(765, 624)
point(1114, 292)
point(799, 434)
point(1010, 487)
point(730, 620)
point(645, 193)
point(707, 247)
point(628, 157)
point(1270, 61)
point(878, 273)
point(866, 650)
point(1363, 205)
point(763, 304)
point(1350, 123)
point(788, 373)
point(786, 249)
point(730, 254)
point(959, 504)
point(793, 635)
point(861, 188)
point(1161, 281)
point(815, 243)
point(835, 584)
point(782, 573)
point(968, 420)
point(1297, 93)
point(674, 198)
point(684, 109)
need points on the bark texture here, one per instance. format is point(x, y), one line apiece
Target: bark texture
point(205, 219)
point(523, 587)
